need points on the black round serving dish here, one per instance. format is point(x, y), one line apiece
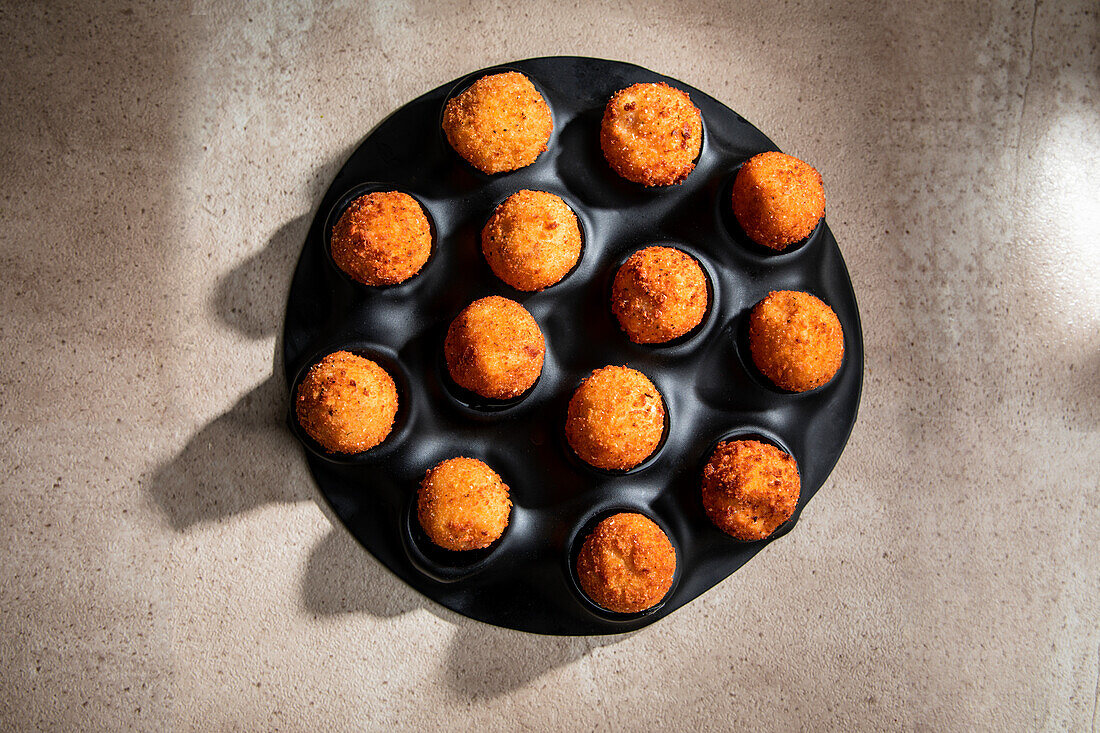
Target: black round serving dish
point(710, 387)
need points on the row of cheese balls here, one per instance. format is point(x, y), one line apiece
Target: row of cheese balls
point(650, 134)
point(627, 563)
point(495, 349)
point(533, 238)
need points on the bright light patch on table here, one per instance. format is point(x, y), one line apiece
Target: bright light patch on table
point(1059, 219)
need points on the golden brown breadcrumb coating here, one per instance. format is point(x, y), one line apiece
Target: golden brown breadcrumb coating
point(382, 238)
point(796, 340)
point(750, 488)
point(627, 564)
point(532, 240)
point(463, 504)
point(660, 293)
point(346, 403)
point(651, 134)
point(500, 123)
point(616, 418)
point(494, 348)
point(778, 199)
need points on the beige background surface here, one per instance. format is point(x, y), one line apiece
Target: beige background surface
point(168, 562)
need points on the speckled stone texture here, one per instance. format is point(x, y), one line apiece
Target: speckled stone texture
point(168, 562)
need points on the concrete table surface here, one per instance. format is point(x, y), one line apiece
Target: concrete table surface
point(168, 562)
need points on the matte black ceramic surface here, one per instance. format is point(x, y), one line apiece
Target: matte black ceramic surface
point(711, 389)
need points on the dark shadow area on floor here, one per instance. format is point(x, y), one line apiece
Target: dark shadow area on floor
point(486, 661)
point(242, 460)
point(483, 661)
point(265, 274)
point(342, 577)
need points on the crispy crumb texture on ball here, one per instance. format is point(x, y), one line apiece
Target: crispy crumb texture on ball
point(659, 294)
point(796, 340)
point(616, 418)
point(651, 134)
point(346, 403)
point(750, 488)
point(627, 564)
point(382, 238)
point(532, 240)
point(494, 348)
point(500, 123)
point(462, 504)
point(778, 199)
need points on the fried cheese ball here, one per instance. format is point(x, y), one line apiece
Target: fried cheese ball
point(659, 293)
point(346, 403)
point(532, 240)
point(796, 340)
point(778, 199)
point(750, 488)
point(651, 134)
point(500, 123)
point(494, 348)
point(382, 238)
point(627, 564)
point(615, 419)
point(463, 504)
